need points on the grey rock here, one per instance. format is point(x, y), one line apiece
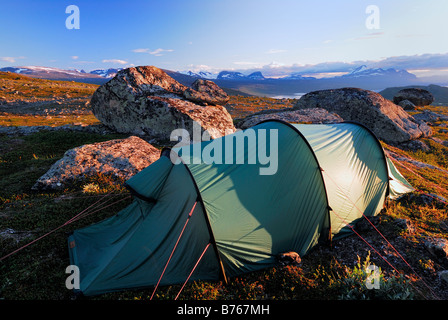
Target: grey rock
point(429, 116)
point(414, 145)
point(314, 115)
point(120, 159)
point(443, 275)
point(438, 247)
point(440, 141)
point(387, 120)
point(413, 162)
point(418, 97)
point(407, 105)
point(406, 225)
point(146, 101)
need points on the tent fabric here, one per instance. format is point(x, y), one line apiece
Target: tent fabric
point(326, 176)
point(130, 249)
point(399, 186)
point(254, 216)
point(355, 171)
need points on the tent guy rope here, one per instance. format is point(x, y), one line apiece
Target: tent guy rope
point(96, 206)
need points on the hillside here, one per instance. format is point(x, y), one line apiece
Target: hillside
point(33, 101)
point(95, 77)
point(327, 273)
point(440, 93)
point(254, 83)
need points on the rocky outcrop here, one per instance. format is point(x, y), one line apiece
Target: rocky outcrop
point(387, 120)
point(120, 158)
point(206, 92)
point(146, 101)
point(429, 116)
point(313, 115)
point(418, 97)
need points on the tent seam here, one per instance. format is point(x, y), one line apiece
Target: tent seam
point(381, 149)
point(207, 220)
point(319, 168)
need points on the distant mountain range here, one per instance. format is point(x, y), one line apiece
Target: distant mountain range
point(361, 71)
point(255, 83)
point(95, 76)
point(296, 84)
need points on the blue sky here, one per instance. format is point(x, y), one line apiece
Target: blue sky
point(273, 36)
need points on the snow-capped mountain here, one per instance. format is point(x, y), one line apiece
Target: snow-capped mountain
point(235, 75)
point(106, 73)
point(296, 76)
point(257, 75)
point(200, 74)
point(42, 72)
point(363, 71)
point(230, 75)
point(56, 73)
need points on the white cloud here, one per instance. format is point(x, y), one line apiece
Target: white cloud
point(140, 50)
point(83, 62)
point(247, 63)
point(420, 65)
point(373, 35)
point(117, 61)
point(11, 59)
point(158, 52)
point(274, 51)
point(75, 57)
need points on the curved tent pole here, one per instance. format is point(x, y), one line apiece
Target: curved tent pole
point(379, 145)
point(317, 162)
point(166, 152)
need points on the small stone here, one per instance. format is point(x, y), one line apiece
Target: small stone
point(443, 275)
point(438, 247)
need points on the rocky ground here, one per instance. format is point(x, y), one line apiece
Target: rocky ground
point(416, 226)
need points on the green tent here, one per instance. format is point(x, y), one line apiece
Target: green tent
point(324, 177)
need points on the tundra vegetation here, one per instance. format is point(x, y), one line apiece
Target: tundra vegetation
point(327, 272)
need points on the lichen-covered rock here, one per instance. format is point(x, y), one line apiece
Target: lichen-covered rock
point(387, 120)
point(314, 115)
point(145, 101)
point(206, 91)
point(120, 158)
point(430, 117)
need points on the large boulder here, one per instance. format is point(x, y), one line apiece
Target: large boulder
point(146, 101)
point(387, 120)
point(314, 115)
point(119, 159)
point(418, 97)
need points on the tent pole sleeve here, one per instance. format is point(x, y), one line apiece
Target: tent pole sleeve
point(380, 147)
point(222, 273)
point(167, 152)
point(319, 168)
